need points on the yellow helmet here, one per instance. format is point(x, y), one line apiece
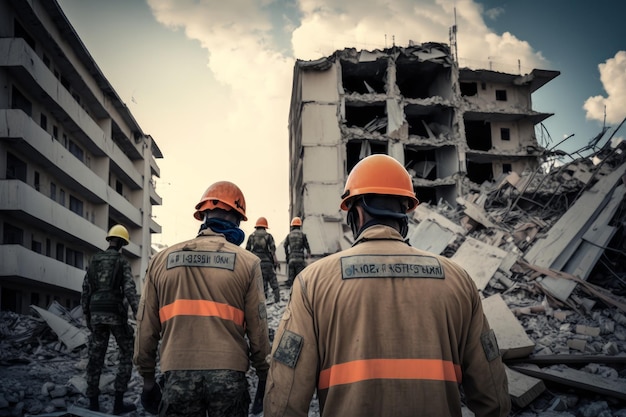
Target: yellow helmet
point(119, 231)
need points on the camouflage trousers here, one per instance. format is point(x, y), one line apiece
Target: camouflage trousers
point(295, 266)
point(99, 342)
point(269, 277)
point(216, 393)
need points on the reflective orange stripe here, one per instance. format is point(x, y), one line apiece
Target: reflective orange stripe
point(361, 370)
point(201, 308)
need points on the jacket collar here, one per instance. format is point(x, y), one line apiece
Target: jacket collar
point(379, 232)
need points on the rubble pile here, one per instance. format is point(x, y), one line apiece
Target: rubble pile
point(547, 250)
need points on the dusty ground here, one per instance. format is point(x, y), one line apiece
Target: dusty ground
point(39, 376)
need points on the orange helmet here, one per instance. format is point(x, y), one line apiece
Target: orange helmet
point(379, 174)
point(262, 222)
point(296, 221)
point(223, 195)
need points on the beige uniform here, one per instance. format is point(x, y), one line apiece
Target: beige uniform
point(202, 297)
point(385, 329)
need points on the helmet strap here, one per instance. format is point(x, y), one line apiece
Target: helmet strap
point(378, 216)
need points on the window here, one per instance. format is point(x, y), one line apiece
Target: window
point(76, 150)
point(55, 132)
point(469, 89)
point(119, 187)
point(501, 95)
point(37, 184)
point(60, 252)
point(76, 205)
point(46, 61)
point(12, 235)
point(505, 133)
point(16, 168)
point(53, 191)
point(35, 246)
point(74, 258)
point(20, 102)
point(48, 247)
point(62, 198)
point(64, 140)
point(34, 298)
point(43, 122)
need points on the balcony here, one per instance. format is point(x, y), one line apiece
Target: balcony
point(17, 261)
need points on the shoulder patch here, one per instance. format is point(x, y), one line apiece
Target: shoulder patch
point(391, 266)
point(490, 345)
point(203, 259)
point(289, 347)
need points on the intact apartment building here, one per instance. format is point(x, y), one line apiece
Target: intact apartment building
point(73, 161)
point(452, 128)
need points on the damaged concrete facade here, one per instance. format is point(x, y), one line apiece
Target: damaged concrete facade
point(453, 129)
point(73, 161)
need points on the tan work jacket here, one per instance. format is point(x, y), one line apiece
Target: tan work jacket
point(384, 329)
point(201, 297)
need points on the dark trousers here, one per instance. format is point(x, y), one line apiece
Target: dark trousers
point(100, 334)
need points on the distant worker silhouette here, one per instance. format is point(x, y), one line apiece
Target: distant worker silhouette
point(262, 244)
point(108, 282)
point(297, 250)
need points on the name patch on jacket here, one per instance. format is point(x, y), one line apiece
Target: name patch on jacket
point(204, 259)
point(390, 266)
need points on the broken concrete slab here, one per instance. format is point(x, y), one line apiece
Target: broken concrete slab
point(512, 338)
point(430, 236)
point(523, 389)
point(480, 260)
point(555, 249)
point(590, 248)
point(577, 379)
point(71, 336)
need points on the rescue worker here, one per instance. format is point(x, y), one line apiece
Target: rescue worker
point(296, 244)
point(262, 244)
point(203, 300)
point(381, 328)
point(107, 283)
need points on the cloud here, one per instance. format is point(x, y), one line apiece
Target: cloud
point(243, 134)
point(613, 78)
point(494, 12)
point(327, 25)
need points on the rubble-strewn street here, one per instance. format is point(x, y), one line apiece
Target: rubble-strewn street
point(549, 247)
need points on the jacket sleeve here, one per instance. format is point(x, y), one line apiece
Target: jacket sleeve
point(294, 362)
point(85, 295)
point(484, 377)
point(256, 323)
point(286, 246)
point(130, 290)
point(148, 328)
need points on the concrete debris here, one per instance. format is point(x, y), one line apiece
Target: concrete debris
point(565, 349)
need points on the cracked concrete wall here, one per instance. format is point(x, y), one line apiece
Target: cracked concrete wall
point(408, 103)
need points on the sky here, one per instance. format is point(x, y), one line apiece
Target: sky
point(211, 80)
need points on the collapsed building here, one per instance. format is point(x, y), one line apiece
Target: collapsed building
point(453, 129)
point(73, 161)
